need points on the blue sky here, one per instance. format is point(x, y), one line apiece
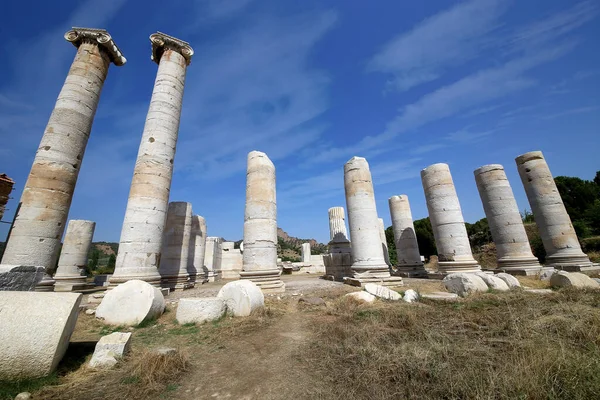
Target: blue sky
point(313, 83)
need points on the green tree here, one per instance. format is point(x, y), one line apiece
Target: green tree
point(391, 244)
point(579, 197)
point(112, 260)
point(479, 233)
point(93, 260)
point(425, 238)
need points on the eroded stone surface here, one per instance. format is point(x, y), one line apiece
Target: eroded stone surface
point(362, 296)
point(464, 284)
point(110, 349)
point(573, 279)
point(131, 303)
point(20, 278)
point(200, 310)
point(382, 292)
point(407, 248)
point(493, 282)
point(242, 297)
point(74, 254)
point(177, 261)
point(510, 280)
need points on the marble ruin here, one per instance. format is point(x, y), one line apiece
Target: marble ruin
point(384, 246)
point(212, 259)
point(502, 212)
point(306, 253)
point(368, 262)
point(199, 243)
point(563, 250)
point(260, 225)
point(177, 259)
point(6, 186)
point(407, 248)
point(449, 231)
point(71, 275)
point(338, 260)
point(44, 206)
point(145, 216)
point(231, 261)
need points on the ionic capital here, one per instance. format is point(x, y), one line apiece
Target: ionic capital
point(99, 37)
point(161, 41)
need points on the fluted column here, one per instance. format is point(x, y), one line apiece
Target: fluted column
point(74, 254)
point(145, 216)
point(176, 256)
point(384, 246)
point(337, 225)
point(502, 212)
point(445, 214)
point(46, 199)
point(363, 221)
point(260, 225)
point(407, 247)
point(562, 247)
point(199, 240)
point(338, 260)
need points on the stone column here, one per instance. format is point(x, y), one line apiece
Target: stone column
point(176, 257)
point(260, 225)
point(563, 250)
point(44, 206)
point(338, 260)
point(145, 216)
point(384, 246)
point(74, 256)
point(451, 239)
point(502, 212)
point(306, 253)
point(407, 248)
point(213, 259)
point(368, 262)
point(199, 239)
point(337, 225)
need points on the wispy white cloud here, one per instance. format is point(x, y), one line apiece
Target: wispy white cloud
point(427, 148)
point(449, 38)
point(467, 136)
point(572, 111)
point(216, 9)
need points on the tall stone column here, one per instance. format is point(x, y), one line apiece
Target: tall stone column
point(451, 239)
point(142, 233)
point(176, 257)
point(563, 250)
point(44, 206)
point(502, 212)
point(260, 225)
point(74, 256)
point(338, 260)
point(407, 247)
point(306, 253)
point(199, 239)
point(368, 262)
point(384, 246)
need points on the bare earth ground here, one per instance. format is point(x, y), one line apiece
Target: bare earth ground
point(467, 349)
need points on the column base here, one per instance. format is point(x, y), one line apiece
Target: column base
point(524, 266)
point(572, 263)
point(269, 281)
point(212, 276)
point(449, 267)
point(389, 281)
point(152, 277)
point(580, 268)
point(411, 271)
point(338, 265)
point(177, 282)
point(46, 284)
point(73, 286)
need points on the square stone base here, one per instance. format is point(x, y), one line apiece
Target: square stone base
point(360, 282)
point(586, 269)
point(523, 271)
point(73, 287)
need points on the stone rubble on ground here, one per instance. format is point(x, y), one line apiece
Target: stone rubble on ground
point(315, 301)
point(200, 309)
point(382, 292)
point(547, 274)
point(572, 279)
point(165, 351)
point(410, 296)
point(464, 284)
point(90, 311)
point(23, 396)
point(440, 296)
point(20, 278)
point(110, 349)
point(493, 282)
point(362, 296)
point(242, 297)
point(131, 303)
point(510, 280)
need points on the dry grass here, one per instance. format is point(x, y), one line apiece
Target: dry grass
point(492, 346)
point(533, 282)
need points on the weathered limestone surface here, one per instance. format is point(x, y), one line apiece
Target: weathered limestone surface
point(35, 329)
point(502, 212)
point(573, 279)
point(212, 259)
point(306, 253)
point(464, 284)
point(145, 216)
point(382, 292)
point(177, 260)
point(510, 280)
point(260, 225)
point(110, 349)
point(368, 262)
point(493, 282)
point(131, 303)
point(46, 199)
point(20, 278)
point(384, 246)
point(199, 243)
point(338, 262)
point(242, 297)
point(410, 296)
point(74, 254)
point(407, 248)
point(200, 310)
point(337, 225)
point(451, 239)
point(563, 250)
point(231, 261)
point(362, 296)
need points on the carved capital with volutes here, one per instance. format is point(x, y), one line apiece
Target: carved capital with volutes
point(161, 41)
point(99, 37)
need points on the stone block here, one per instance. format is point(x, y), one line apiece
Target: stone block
point(362, 296)
point(573, 279)
point(382, 292)
point(463, 284)
point(199, 310)
point(110, 349)
point(510, 280)
point(20, 278)
point(493, 282)
point(131, 303)
point(35, 329)
point(547, 274)
point(242, 297)
point(440, 296)
point(410, 296)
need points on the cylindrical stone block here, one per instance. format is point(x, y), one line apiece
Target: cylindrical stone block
point(260, 225)
point(445, 214)
point(562, 247)
point(407, 247)
point(306, 253)
point(199, 237)
point(46, 199)
point(337, 225)
point(502, 213)
point(145, 216)
point(384, 246)
point(74, 254)
point(176, 259)
point(363, 221)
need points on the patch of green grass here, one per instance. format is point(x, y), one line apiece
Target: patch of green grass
point(146, 323)
point(108, 329)
point(129, 380)
point(185, 329)
point(169, 389)
point(9, 389)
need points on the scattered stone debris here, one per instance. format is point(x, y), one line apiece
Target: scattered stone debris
point(314, 301)
point(510, 280)
point(362, 296)
point(440, 296)
point(464, 284)
point(110, 349)
point(90, 311)
point(493, 282)
point(572, 279)
point(23, 396)
point(131, 303)
point(410, 296)
point(200, 309)
point(242, 297)
point(382, 292)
